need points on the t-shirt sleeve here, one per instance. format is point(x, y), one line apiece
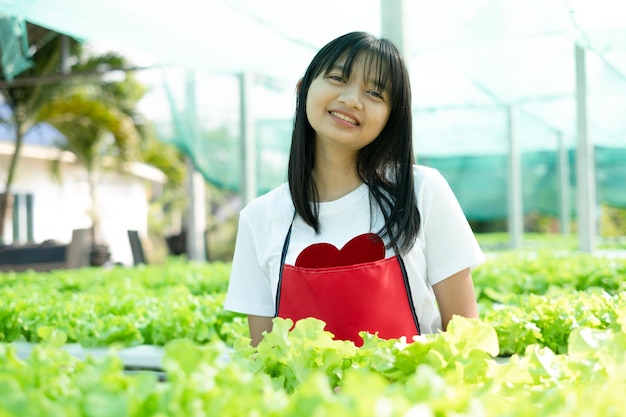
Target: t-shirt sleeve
point(450, 244)
point(249, 288)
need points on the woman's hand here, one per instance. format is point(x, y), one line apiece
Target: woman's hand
point(258, 325)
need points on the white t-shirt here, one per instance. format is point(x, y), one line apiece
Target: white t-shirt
point(445, 243)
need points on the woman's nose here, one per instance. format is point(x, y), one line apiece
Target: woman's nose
point(351, 97)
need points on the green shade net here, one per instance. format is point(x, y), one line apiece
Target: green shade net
point(13, 47)
point(216, 150)
point(480, 182)
point(471, 152)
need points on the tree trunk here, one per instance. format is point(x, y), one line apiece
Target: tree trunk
point(100, 253)
point(95, 219)
point(18, 117)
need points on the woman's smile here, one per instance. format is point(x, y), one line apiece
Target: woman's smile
point(352, 120)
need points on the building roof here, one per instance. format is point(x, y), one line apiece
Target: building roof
point(42, 134)
point(42, 142)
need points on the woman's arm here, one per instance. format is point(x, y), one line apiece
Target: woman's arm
point(258, 325)
point(455, 295)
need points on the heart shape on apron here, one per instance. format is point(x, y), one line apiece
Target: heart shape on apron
point(368, 247)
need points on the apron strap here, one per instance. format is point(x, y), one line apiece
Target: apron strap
point(283, 256)
point(405, 277)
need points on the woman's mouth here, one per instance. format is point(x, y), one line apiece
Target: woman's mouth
point(345, 117)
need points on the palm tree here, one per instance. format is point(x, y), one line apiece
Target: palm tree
point(25, 101)
point(99, 134)
point(100, 124)
point(97, 116)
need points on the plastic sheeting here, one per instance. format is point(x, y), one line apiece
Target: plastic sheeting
point(14, 47)
point(470, 62)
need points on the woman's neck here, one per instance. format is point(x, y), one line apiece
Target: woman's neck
point(334, 181)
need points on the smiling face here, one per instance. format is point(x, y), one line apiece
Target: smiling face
point(348, 109)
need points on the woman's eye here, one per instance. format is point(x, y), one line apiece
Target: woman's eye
point(336, 78)
point(376, 94)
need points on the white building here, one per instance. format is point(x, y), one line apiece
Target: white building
point(48, 207)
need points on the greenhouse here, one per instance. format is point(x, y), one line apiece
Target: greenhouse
point(518, 104)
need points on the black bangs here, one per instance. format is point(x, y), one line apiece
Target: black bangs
point(376, 68)
point(378, 57)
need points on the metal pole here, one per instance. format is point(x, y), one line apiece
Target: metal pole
point(196, 212)
point(196, 217)
point(248, 145)
point(393, 14)
point(585, 177)
point(565, 209)
point(515, 218)
point(65, 55)
point(394, 26)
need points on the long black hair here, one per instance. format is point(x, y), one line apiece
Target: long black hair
point(386, 164)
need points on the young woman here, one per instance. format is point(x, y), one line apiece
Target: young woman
point(360, 237)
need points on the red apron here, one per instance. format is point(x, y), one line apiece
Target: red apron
point(372, 296)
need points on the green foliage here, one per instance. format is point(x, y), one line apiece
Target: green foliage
point(529, 298)
point(85, 122)
point(500, 241)
point(550, 319)
point(535, 272)
point(25, 100)
point(166, 158)
point(559, 318)
point(54, 383)
point(613, 222)
point(448, 374)
point(550, 241)
point(541, 297)
point(98, 307)
point(88, 111)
